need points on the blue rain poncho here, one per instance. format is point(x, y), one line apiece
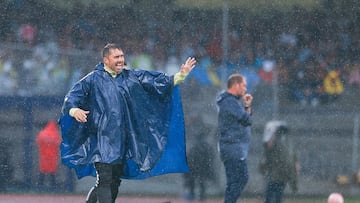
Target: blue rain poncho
point(135, 118)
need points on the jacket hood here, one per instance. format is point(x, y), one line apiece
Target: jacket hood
point(272, 127)
point(99, 66)
point(224, 95)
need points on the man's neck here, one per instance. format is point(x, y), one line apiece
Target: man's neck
point(112, 73)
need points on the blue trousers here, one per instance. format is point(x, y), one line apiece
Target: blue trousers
point(236, 178)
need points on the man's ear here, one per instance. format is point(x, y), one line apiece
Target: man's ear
point(105, 59)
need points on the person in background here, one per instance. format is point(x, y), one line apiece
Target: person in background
point(234, 123)
point(335, 198)
point(333, 86)
point(279, 165)
point(123, 123)
point(200, 158)
point(48, 141)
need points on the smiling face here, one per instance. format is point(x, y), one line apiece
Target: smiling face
point(115, 60)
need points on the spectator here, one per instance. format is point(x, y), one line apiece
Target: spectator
point(298, 84)
point(333, 86)
point(27, 33)
point(8, 75)
point(354, 77)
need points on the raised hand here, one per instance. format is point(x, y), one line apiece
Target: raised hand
point(188, 65)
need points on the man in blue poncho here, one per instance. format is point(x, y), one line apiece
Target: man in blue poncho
point(123, 123)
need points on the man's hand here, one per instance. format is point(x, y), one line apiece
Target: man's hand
point(247, 99)
point(81, 115)
point(187, 66)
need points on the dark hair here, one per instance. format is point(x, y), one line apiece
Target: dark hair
point(106, 50)
point(234, 78)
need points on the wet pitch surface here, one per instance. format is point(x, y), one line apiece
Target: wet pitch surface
point(35, 198)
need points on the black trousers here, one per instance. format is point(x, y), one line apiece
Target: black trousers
point(274, 192)
point(107, 183)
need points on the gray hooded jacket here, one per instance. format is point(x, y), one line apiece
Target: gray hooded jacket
point(233, 127)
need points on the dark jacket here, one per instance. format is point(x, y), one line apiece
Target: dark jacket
point(131, 118)
point(278, 164)
point(234, 127)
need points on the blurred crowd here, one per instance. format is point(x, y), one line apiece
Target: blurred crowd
point(312, 54)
